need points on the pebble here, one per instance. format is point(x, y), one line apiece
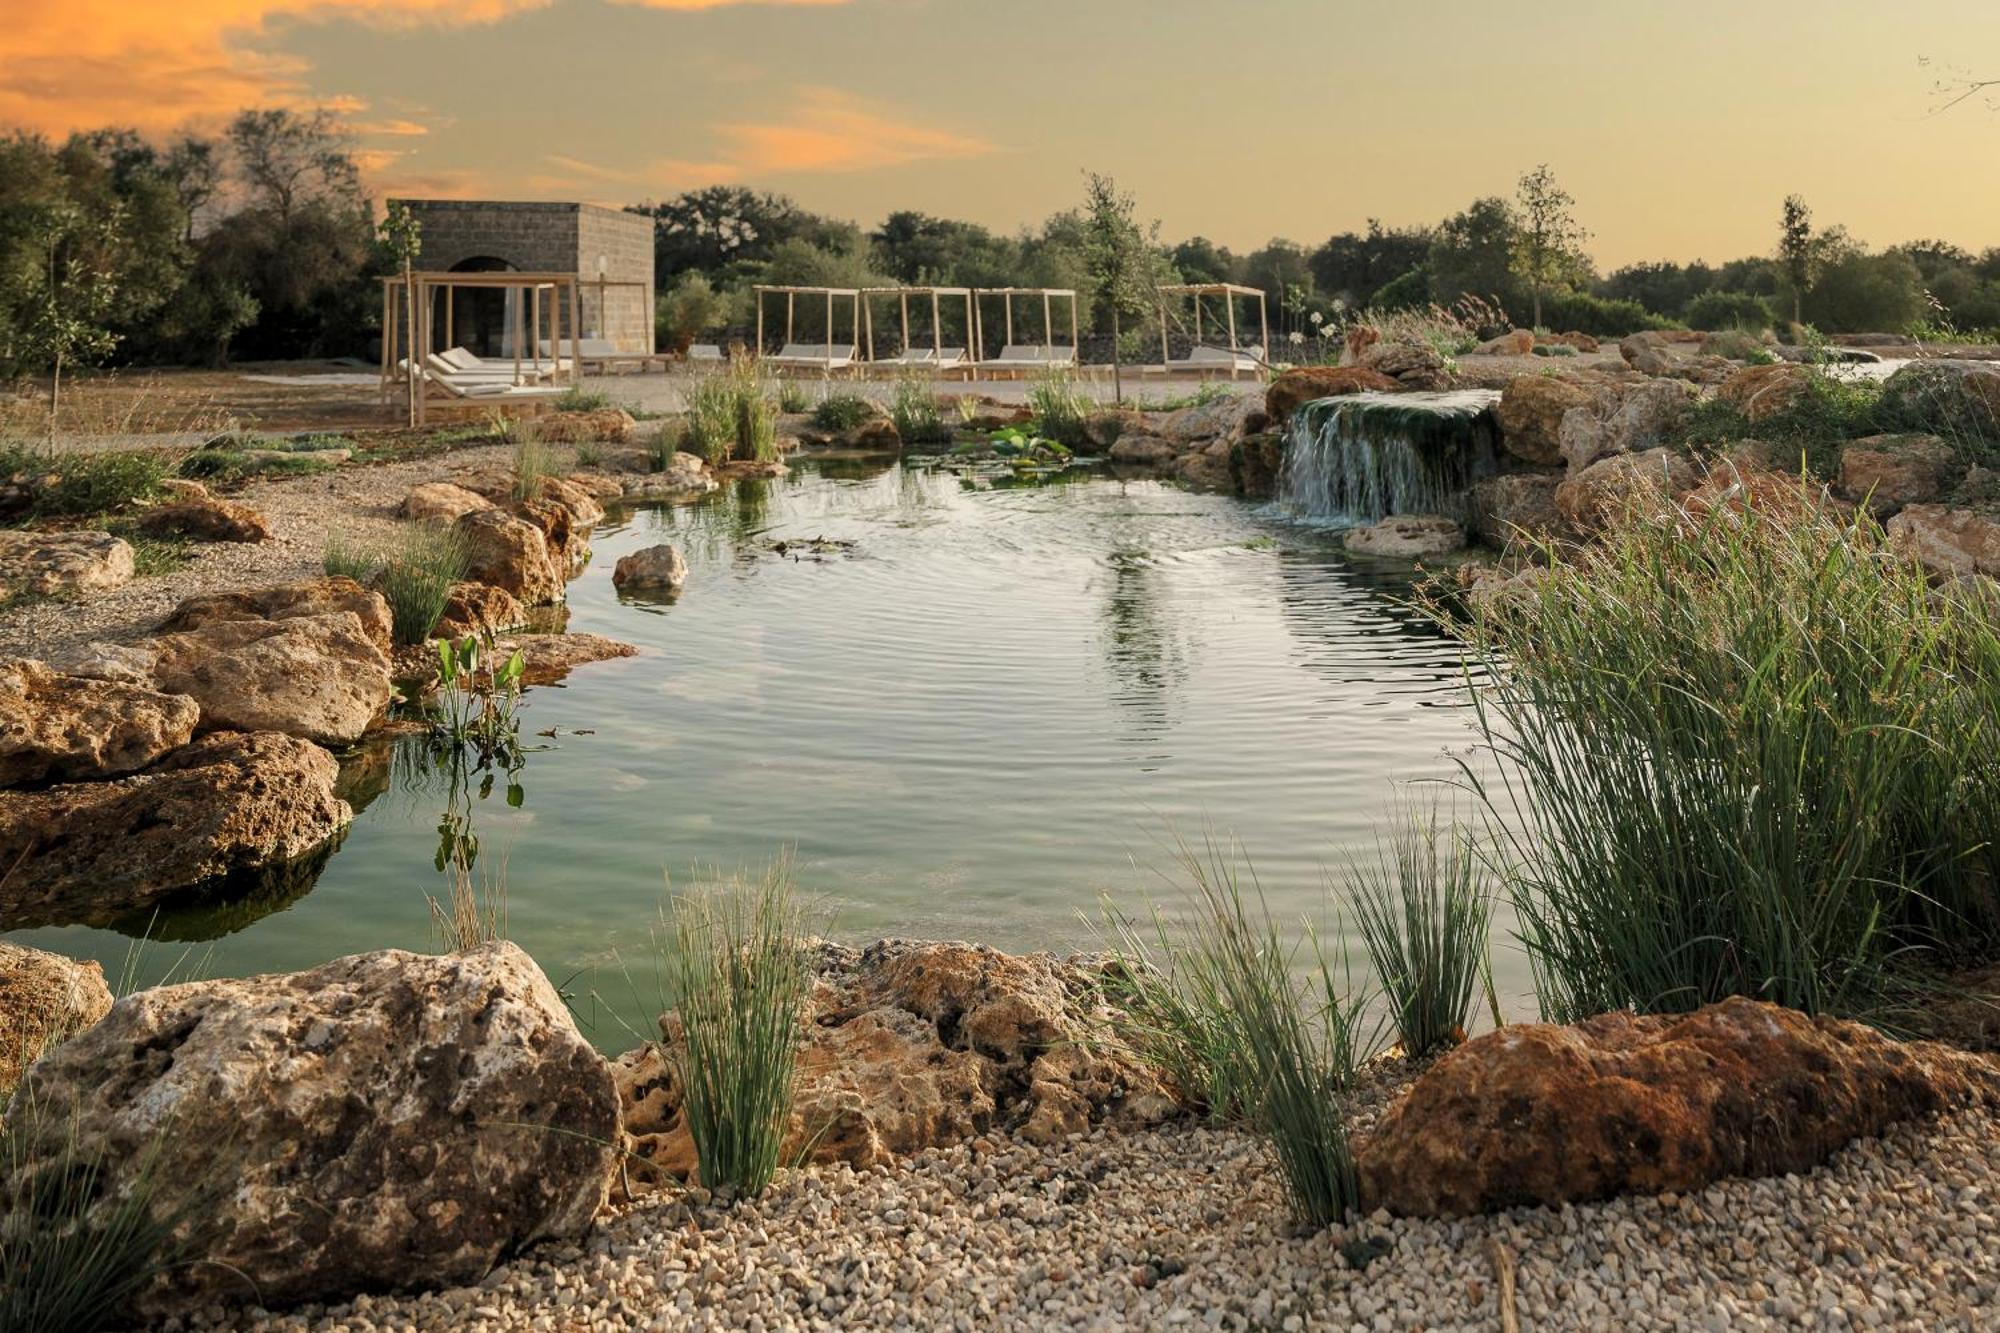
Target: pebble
point(1185, 1227)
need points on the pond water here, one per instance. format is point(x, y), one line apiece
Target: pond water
point(1002, 703)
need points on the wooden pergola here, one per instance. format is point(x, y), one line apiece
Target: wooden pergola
point(1229, 292)
point(829, 295)
point(1048, 295)
point(936, 296)
point(410, 326)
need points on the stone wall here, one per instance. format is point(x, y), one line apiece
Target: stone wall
point(542, 238)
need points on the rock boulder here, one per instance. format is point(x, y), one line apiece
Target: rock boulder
point(62, 564)
point(1530, 414)
point(224, 804)
point(286, 601)
point(319, 677)
point(1407, 537)
point(44, 997)
point(512, 554)
point(1950, 543)
point(656, 568)
point(206, 518)
point(1890, 471)
point(1295, 388)
point(1590, 498)
point(1535, 1114)
point(441, 502)
point(391, 1120)
point(60, 728)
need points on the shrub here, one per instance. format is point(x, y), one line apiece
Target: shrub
point(76, 484)
point(1716, 311)
point(1224, 1016)
point(792, 397)
point(841, 411)
point(1744, 753)
point(74, 1254)
point(583, 400)
point(1423, 913)
point(1060, 407)
point(1810, 431)
point(739, 976)
point(918, 414)
point(1580, 312)
point(729, 416)
point(229, 466)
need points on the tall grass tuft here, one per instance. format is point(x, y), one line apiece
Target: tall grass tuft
point(74, 1254)
point(729, 416)
point(414, 571)
point(1742, 752)
point(739, 978)
point(475, 910)
point(534, 463)
point(1423, 913)
point(1060, 407)
point(1225, 1016)
point(918, 412)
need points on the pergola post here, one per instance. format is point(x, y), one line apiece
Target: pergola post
point(1264, 325)
point(1008, 301)
point(1048, 327)
point(791, 314)
point(1230, 301)
point(937, 332)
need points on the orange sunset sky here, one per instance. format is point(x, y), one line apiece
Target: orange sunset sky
point(1678, 126)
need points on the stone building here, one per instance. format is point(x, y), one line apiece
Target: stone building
point(610, 251)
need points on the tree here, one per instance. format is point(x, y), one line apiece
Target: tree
point(1355, 267)
point(1796, 257)
point(70, 293)
point(1472, 254)
point(1548, 241)
point(288, 161)
point(1122, 262)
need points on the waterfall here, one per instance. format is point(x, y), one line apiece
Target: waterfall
point(1361, 457)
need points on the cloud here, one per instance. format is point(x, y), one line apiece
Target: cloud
point(828, 131)
point(391, 129)
point(692, 6)
point(161, 64)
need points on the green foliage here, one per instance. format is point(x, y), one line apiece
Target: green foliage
point(739, 976)
point(1472, 254)
point(1859, 293)
point(918, 414)
point(730, 417)
point(1744, 753)
point(228, 467)
point(534, 463)
point(1423, 912)
point(1407, 292)
point(1548, 240)
point(477, 700)
point(1060, 406)
point(414, 571)
point(1810, 432)
point(75, 1252)
point(1600, 317)
point(685, 311)
point(792, 397)
point(76, 484)
point(1122, 259)
point(842, 411)
point(1225, 1017)
point(1715, 311)
point(582, 400)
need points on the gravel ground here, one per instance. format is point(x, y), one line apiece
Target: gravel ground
point(355, 502)
point(1186, 1228)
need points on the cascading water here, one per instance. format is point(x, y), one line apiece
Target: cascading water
point(1361, 457)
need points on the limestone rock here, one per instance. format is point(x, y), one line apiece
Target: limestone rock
point(1592, 497)
point(44, 997)
point(1407, 537)
point(478, 610)
point(1890, 471)
point(579, 500)
point(1295, 388)
point(1530, 414)
point(225, 803)
point(1950, 543)
point(1145, 450)
point(910, 1045)
point(1535, 1114)
point(388, 1120)
point(566, 541)
point(1227, 419)
point(1516, 504)
point(441, 502)
point(62, 564)
point(311, 597)
point(604, 425)
point(322, 677)
point(547, 658)
point(1412, 364)
point(1620, 419)
point(1762, 392)
point(59, 728)
point(655, 567)
point(206, 518)
point(1514, 342)
point(1104, 428)
point(512, 554)
point(1950, 398)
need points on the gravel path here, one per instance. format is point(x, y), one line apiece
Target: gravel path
point(355, 502)
point(1186, 1228)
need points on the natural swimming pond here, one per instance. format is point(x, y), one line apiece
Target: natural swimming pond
point(1002, 702)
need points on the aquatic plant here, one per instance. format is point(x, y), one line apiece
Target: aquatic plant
point(730, 416)
point(1060, 406)
point(1223, 1015)
point(1423, 912)
point(738, 975)
point(477, 702)
point(75, 1251)
point(917, 412)
point(1741, 752)
point(474, 912)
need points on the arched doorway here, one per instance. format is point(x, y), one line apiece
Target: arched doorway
point(483, 318)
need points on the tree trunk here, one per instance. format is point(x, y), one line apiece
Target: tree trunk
point(1538, 308)
point(55, 394)
point(1117, 373)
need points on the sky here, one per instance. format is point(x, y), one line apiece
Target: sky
point(1679, 127)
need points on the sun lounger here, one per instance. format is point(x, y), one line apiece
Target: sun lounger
point(1017, 359)
point(484, 385)
point(704, 352)
point(604, 354)
point(926, 358)
point(1207, 361)
point(812, 356)
point(458, 360)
